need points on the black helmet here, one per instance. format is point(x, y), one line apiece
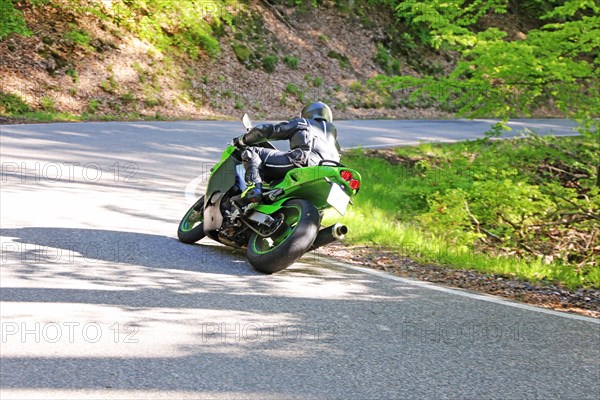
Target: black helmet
point(317, 110)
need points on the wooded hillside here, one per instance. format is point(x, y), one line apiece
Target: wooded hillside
point(379, 58)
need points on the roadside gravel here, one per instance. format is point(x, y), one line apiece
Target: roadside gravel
point(581, 301)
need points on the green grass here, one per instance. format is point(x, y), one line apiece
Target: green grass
point(425, 207)
point(47, 116)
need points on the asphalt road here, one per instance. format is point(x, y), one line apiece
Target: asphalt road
point(98, 299)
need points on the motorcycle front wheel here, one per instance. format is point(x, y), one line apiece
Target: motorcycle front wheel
point(291, 240)
point(191, 227)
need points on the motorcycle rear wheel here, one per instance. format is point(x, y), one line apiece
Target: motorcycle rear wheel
point(286, 245)
point(191, 227)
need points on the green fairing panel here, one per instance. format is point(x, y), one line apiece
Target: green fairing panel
point(222, 179)
point(309, 183)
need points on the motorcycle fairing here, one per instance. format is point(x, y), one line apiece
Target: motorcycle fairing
point(221, 181)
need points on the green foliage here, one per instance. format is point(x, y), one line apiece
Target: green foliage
point(11, 20)
point(525, 207)
point(47, 104)
point(315, 81)
point(93, 105)
point(79, 37)
point(342, 59)
point(128, 97)
point(242, 52)
point(11, 104)
point(109, 85)
point(303, 5)
point(143, 74)
point(291, 62)
point(555, 65)
point(295, 91)
point(190, 26)
point(72, 72)
point(386, 61)
point(448, 21)
point(254, 45)
point(49, 116)
point(269, 63)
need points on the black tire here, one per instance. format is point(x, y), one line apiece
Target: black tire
point(290, 242)
point(191, 227)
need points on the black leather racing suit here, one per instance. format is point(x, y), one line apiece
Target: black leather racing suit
point(310, 142)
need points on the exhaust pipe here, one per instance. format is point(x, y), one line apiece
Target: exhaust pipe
point(329, 235)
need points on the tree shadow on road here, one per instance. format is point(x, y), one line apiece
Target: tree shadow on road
point(231, 331)
point(40, 245)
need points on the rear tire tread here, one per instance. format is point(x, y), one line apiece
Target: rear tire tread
point(289, 251)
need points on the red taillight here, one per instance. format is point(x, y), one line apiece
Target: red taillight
point(347, 176)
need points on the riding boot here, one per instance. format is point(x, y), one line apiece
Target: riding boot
point(252, 194)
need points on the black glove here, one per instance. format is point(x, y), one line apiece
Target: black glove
point(238, 142)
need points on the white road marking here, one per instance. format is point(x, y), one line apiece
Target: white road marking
point(457, 292)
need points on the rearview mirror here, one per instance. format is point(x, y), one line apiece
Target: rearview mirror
point(247, 122)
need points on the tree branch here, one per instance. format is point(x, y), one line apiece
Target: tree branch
point(278, 14)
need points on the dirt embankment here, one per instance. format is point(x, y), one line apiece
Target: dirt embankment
point(78, 63)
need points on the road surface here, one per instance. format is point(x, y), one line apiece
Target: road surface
point(100, 300)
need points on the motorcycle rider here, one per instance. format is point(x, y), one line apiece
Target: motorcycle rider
point(312, 138)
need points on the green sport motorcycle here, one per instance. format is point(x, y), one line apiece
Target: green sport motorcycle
point(285, 224)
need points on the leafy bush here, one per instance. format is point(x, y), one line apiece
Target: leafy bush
point(93, 105)
point(527, 207)
point(47, 104)
point(386, 61)
point(291, 62)
point(11, 20)
point(79, 37)
point(242, 52)
point(295, 91)
point(342, 59)
point(269, 63)
point(72, 72)
point(11, 104)
point(109, 85)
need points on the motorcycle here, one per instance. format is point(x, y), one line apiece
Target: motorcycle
point(286, 223)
